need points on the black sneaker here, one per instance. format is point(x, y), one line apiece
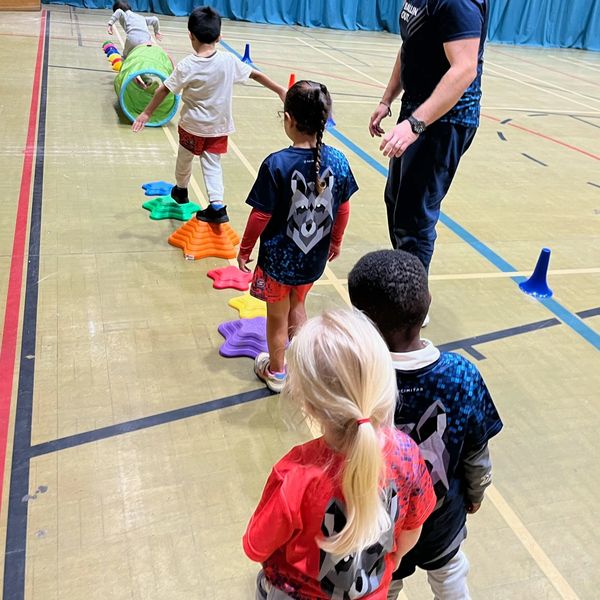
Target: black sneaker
point(180, 195)
point(213, 215)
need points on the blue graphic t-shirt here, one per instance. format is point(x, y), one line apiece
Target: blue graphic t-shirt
point(425, 26)
point(447, 410)
point(294, 246)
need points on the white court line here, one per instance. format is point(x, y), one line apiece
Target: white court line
point(572, 61)
point(510, 518)
point(341, 62)
point(554, 86)
point(537, 87)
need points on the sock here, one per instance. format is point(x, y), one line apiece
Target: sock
point(216, 204)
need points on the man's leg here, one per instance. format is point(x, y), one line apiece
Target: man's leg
point(450, 581)
point(417, 184)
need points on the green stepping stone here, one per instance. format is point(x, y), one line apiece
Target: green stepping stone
point(164, 207)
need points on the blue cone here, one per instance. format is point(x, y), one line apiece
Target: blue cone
point(246, 58)
point(536, 285)
point(330, 123)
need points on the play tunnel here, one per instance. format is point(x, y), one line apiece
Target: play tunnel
point(142, 72)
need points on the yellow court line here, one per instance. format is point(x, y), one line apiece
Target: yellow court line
point(572, 61)
point(510, 518)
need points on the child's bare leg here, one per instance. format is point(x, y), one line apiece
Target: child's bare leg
point(277, 333)
point(297, 316)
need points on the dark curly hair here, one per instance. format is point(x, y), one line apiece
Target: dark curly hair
point(390, 287)
point(309, 103)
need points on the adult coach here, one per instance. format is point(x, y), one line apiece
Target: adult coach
point(439, 68)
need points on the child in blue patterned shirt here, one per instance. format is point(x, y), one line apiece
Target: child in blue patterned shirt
point(445, 407)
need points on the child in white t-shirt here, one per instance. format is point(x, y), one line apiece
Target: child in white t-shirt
point(134, 25)
point(205, 81)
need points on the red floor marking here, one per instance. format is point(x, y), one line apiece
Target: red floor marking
point(15, 280)
point(546, 137)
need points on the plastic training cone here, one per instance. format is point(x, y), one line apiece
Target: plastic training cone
point(199, 239)
point(537, 285)
point(292, 80)
point(246, 58)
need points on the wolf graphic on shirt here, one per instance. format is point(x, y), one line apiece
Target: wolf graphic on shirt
point(361, 573)
point(311, 215)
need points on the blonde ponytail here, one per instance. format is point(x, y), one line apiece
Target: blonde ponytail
point(340, 370)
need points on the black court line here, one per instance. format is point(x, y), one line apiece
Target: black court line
point(79, 439)
point(145, 422)
point(79, 68)
point(77, 28)
point(505, 121)
point(593, 184)
point(467, 344)
point(501, 136)
point(16, 528)
point(582, 120)
point(535, 160)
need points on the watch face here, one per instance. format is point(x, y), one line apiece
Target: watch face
point(416, 125)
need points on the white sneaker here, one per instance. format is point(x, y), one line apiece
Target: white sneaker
point(425, 321)
point(274, 381)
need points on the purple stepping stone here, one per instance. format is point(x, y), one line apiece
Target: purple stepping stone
point(244, 337)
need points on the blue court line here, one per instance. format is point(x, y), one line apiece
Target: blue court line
point(566, 316)
point(16, 526)
point(234, 51)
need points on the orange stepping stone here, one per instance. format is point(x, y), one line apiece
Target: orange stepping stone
point(199, 239)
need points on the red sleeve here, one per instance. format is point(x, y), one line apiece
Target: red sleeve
point(272, 523)
point(339, 226)
point(257, 221)
point(422, 498)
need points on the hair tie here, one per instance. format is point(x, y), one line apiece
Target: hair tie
point(362, 421)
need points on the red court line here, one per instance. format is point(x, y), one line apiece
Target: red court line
point(546, 137)
point(15, 279)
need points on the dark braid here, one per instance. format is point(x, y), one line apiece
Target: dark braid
point(309, 103)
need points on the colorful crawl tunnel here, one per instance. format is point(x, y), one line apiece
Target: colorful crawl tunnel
point(141, 73)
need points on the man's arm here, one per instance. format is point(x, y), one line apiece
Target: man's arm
point(392, 91)
point(266, 81)
point(462, 56)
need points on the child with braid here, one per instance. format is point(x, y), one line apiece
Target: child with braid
point(300, 210)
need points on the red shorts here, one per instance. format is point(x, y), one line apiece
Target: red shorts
point(197, 145)
point(266, 288)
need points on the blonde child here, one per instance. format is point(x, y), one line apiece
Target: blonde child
point(205, 81)
point(134, 25)
point(338, 513)
point(299, 211)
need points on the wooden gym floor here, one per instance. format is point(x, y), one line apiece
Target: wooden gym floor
point(135, 453)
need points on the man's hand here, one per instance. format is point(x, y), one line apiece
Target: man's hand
point(243, 262)
point(140, 122)
point(110, 29)
point(381, 112)
point(473, 507)
point(398, 139)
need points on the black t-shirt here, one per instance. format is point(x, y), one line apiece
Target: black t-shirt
point(294, 246)
point(425, 26)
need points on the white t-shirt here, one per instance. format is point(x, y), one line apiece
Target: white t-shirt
point(206, 88)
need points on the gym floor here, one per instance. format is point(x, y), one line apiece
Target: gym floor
point(135, 454)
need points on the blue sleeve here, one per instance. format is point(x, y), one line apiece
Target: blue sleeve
point(345, 183)
point(264, 193)
point(484, 421)
point(458, 19)
point(350, 187)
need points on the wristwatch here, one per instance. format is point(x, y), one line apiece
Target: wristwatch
point(417, 126)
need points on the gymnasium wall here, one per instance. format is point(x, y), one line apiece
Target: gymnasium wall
point(563, 23)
